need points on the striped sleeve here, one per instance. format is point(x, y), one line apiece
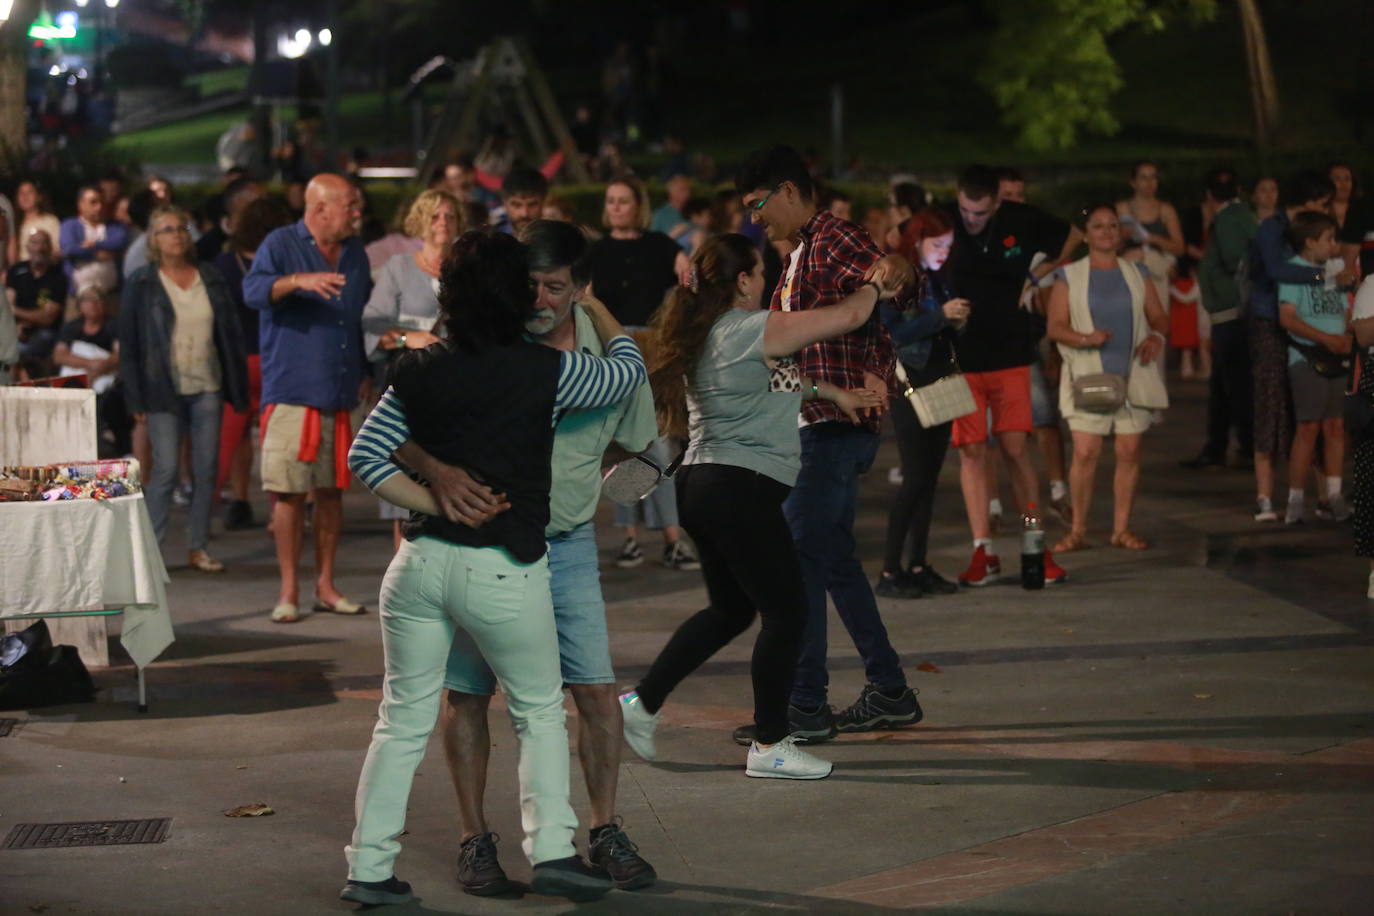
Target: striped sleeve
point(596, 381)
point(383, 432)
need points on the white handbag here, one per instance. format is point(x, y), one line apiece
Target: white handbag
point(942, 400)
point(635, 478)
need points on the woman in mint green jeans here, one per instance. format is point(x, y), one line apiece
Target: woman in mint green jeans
point(485, 399)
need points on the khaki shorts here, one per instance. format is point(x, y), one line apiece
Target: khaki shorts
point(1127, 420)
point(282, 471)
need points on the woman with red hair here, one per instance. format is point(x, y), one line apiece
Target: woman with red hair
point(923, 337)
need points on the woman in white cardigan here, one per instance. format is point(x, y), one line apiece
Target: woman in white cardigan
point(1106, 317)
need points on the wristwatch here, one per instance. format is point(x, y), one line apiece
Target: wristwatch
point(401, 341)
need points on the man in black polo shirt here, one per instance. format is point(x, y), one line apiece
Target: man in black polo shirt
point(37, 291)
point(994, 242)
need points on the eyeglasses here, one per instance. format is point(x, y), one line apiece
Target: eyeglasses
point(757, 205)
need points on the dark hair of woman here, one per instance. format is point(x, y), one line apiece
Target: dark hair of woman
point(1087, 212)
point(681, 324)
point(484, 290)
point(256, 220)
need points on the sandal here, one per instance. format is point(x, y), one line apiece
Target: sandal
point(1074, 540)
point(1127, 541)
point(286, 612)
point(341, 606)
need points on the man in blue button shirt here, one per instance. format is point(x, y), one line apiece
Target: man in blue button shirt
point(310, 280)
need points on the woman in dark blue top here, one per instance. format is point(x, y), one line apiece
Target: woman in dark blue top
point(923, 338)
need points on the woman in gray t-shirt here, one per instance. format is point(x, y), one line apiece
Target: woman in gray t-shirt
point(722, 370)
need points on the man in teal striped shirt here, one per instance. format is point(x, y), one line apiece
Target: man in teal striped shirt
point(560, 274)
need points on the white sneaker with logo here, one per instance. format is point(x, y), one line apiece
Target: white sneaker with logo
point(785, 760)
point(639, 727)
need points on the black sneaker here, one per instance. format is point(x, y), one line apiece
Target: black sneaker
point(897, 585)
point(479, 873)
point(377, 893)
point(571, 878)
point(631, 555)
point(679, 556)
point(611, 850)
point(238, 514)
point(807, 727)
point(932, 583)
point(874, 710)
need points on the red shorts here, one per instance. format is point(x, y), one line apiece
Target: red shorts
point(1006, 392)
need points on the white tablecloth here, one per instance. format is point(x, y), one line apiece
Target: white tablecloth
point(85, 555)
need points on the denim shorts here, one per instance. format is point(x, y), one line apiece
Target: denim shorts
point(579, 611)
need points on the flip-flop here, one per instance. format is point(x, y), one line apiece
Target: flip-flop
point(342, 606)
point(286, 612)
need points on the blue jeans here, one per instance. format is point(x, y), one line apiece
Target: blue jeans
point(199, 415)
point(579, 612)
point(820, 512)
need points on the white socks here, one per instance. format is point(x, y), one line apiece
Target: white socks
point(986, 544)
point(1333, 487)
point(1058, 490)
point(1295, 496)
point(994, 507)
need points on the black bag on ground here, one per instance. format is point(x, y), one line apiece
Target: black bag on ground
point(34, 672)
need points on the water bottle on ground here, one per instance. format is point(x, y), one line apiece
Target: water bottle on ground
point(1032, 549)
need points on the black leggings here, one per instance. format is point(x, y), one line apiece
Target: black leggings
point(922, 451)
point(747, 559)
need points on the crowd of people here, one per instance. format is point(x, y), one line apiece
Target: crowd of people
point(749, 346)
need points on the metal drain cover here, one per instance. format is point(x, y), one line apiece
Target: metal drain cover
point(7, 726)
point(88, 833)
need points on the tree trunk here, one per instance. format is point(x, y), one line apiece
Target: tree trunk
point(14, 45)
point(1264, 94)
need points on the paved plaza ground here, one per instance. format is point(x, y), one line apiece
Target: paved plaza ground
point(1186, 730)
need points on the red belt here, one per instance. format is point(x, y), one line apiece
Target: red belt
point(310, 440)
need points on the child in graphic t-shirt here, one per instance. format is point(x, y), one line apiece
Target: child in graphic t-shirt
point(1319, 344)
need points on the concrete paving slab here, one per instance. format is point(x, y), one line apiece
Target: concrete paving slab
point(1186, 730)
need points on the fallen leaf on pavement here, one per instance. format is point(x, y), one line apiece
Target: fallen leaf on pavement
point(1202, 696)
point(927, 666)
point(257, 809)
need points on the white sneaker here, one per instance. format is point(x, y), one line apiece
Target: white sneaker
point(785, 760)
point(1264, 510)
point(1293, 515)
point(894, 476)
point(639, 726)
point(1340, 509)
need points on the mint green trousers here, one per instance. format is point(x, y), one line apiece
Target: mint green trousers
point(431, 590)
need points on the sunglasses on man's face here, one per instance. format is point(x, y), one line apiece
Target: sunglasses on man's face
point(757, 205)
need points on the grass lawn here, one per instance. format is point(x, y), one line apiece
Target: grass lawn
point(912, 100)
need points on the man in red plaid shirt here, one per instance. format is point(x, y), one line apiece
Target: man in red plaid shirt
point(832, 259)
